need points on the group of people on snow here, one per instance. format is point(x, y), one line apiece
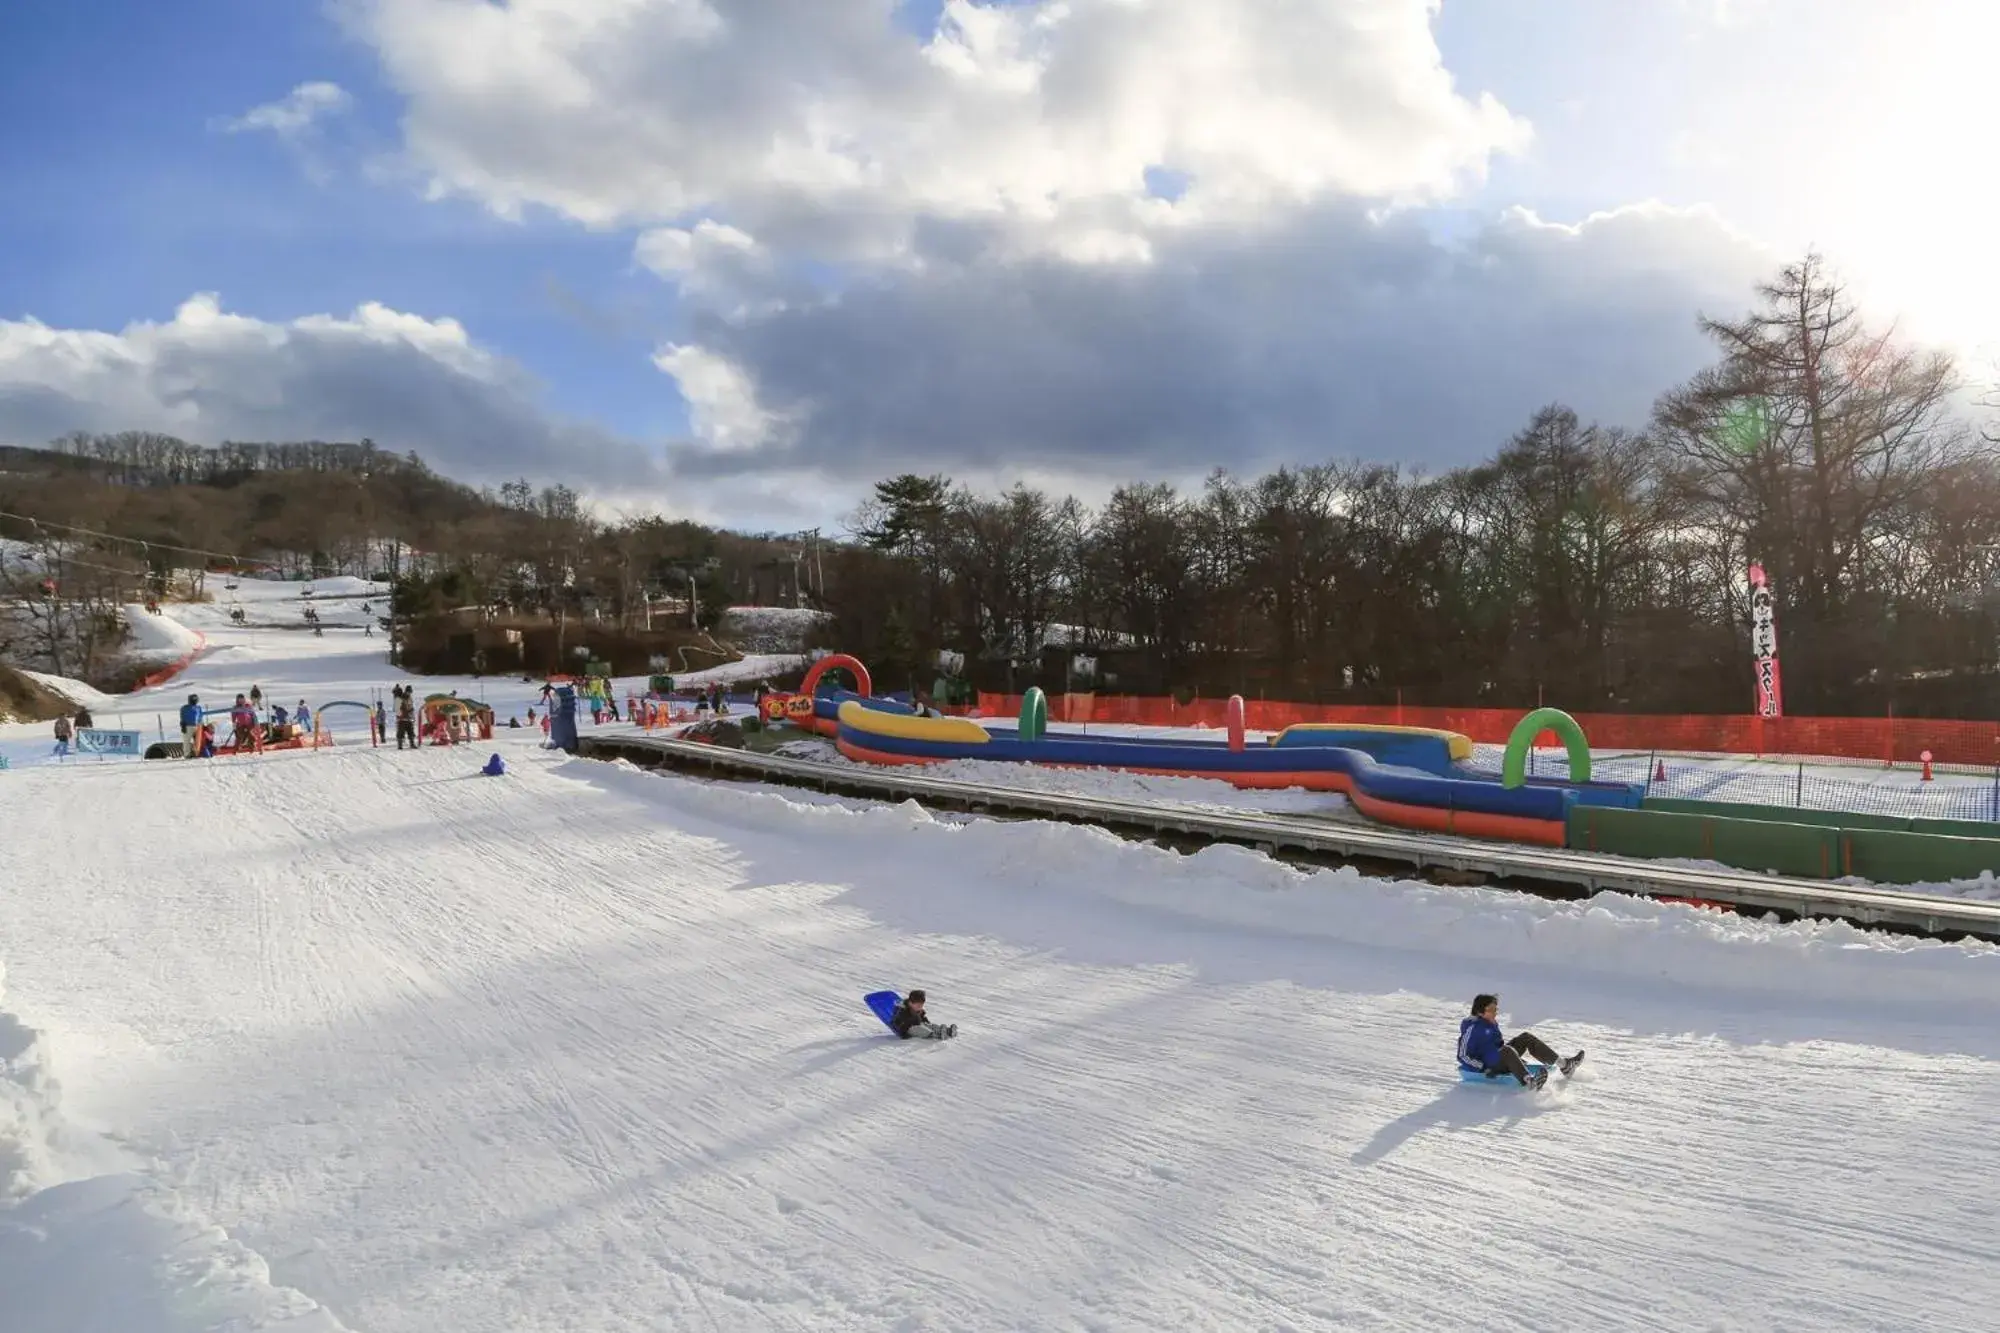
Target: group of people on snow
point(1482, 1048)
point(67, 727)
point(251, 727)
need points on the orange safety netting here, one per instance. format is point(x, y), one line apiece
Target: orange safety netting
point(1901, 740)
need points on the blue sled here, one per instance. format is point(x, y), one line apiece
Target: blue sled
point(1472, 1075)
point(882, 1004)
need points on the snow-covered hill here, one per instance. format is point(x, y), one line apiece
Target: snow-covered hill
point(358, 1039)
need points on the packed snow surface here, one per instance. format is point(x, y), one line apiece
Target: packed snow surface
point(583, 1048)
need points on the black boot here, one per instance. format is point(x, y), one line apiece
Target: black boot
point(1569, 1065)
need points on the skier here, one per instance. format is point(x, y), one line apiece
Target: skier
point(62, 737)
point(191, 726)
point(909, 1020)
point(1482, 1049)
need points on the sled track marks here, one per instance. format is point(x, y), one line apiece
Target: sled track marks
point(579, 1048)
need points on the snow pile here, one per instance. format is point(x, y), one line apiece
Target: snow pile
point(1235, 890)
point(112, 1251)
point(76, 691)
point(771, 629)
point(346, 585)
point(159, 637)
point(29, 1146)
point(119, 1254)
point(1110, 783)
point(746, 670)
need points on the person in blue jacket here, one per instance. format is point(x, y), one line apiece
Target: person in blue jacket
point(1483, 1050)
point(191, 726)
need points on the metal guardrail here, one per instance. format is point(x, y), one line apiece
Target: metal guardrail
point(1279, 834)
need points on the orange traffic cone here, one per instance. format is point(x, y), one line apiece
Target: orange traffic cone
point(1660, 770)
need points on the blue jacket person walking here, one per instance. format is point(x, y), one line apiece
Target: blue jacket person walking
point(191, 727)
point(1483, 1050)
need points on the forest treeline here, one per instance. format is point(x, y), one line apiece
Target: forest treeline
point(1590, 566)
point(105, 520)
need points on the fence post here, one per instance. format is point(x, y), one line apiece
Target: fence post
point(1799, 792)
point(1399, 705)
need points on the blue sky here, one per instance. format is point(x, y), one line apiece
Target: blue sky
point(126, 193)
point(124, 199)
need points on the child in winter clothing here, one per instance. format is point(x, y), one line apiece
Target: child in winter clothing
point(1482, 1049)
point(909, 1020)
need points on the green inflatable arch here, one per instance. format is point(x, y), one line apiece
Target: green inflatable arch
point(1034, 722)
point(1514, 765)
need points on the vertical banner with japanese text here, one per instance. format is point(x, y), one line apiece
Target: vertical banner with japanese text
point(1764, 644)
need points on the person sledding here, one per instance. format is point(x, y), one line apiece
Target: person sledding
point(1483, 1050)
point(909, 1020)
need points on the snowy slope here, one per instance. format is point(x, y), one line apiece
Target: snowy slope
point(159, 634)
point(582, 1048)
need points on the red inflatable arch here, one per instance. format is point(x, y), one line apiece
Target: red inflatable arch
point(863, 685)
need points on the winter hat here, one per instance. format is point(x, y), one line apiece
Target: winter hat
point(916, 997)
point(1479, 1002)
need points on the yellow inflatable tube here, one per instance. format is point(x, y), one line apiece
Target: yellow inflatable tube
point(903, 726)
point(1457, 744)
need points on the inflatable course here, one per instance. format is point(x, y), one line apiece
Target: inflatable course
point(1410, 777)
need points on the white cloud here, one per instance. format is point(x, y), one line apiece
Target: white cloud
point(896, 250)
point(824, 126)
point(296, 112)
point(1336, 335)
point(207, 375)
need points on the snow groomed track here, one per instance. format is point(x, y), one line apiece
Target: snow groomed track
point(1569, 870)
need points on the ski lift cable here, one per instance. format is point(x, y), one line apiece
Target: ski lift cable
point(39, 524)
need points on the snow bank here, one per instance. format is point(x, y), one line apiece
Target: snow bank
point(755, 667)
point(29, 1147)
point(159, 636)
point(76, 691)
point(1614, 937)
point(111, 1251)
point(346, 585)
point(771, 629)
point(1110, 783)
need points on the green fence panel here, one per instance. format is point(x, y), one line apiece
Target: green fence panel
point(1647, 833)
point(1804, 851)
point(1918, 858)
point(1957, 828)
point(1780, 814)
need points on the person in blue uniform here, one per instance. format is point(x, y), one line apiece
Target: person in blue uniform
point(1482, 1048)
